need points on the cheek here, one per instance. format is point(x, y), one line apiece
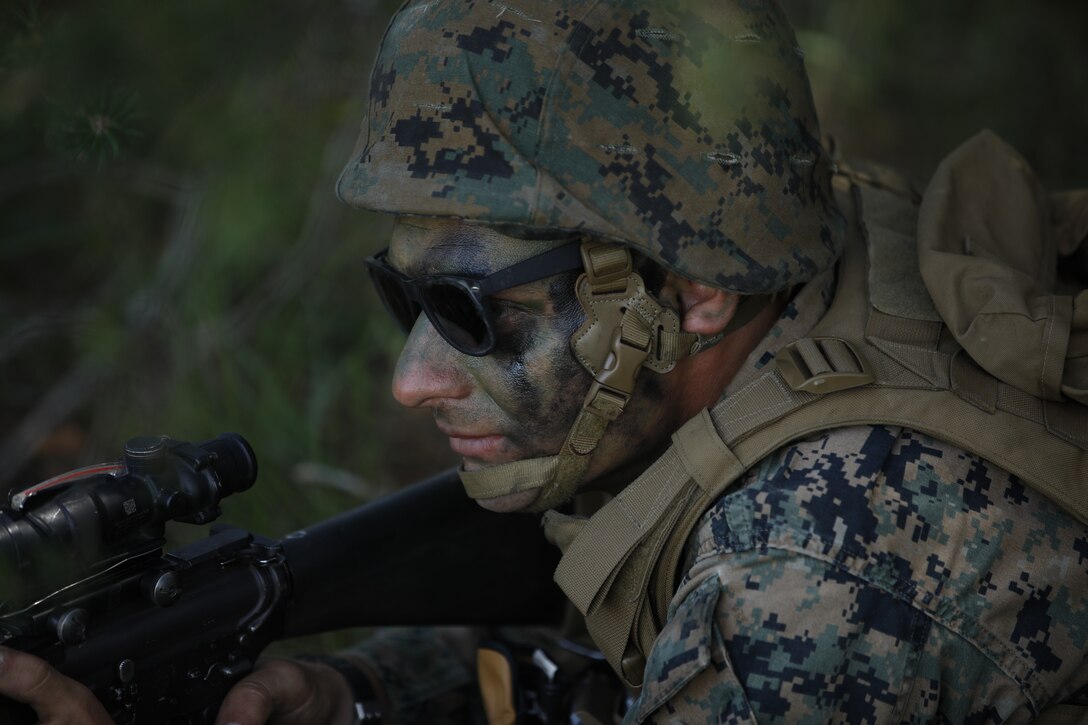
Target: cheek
point(541, 383)
point(646, 415)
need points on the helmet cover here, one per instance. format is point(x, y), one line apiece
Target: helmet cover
point(683, 129)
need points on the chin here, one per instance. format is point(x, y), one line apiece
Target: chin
point(509, 502)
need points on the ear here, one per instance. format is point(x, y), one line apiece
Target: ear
point(703, 309)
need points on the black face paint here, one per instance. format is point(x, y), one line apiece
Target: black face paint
point(545, 398)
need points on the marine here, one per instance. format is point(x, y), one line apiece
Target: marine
point(628, 265)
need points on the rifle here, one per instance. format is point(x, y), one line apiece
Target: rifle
point(160, 637)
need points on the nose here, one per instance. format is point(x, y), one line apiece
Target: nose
point(429, 371)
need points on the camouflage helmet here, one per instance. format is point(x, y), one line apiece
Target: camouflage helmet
point(683, 129)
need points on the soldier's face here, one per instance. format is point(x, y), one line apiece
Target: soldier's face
point(520, 400)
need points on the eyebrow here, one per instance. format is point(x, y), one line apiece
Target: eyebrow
point(460, 239)
point(420, 267)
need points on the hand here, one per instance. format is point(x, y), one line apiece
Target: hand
point(288, 692)
point(57, 699)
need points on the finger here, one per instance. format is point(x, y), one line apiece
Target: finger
point(275, 686)
point(29, 679)
point(250, 702)
point(56, 698)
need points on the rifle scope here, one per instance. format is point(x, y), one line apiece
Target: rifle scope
point(117, 513)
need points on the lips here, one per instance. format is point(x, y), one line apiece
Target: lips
point(479, 446)
point(482, 447)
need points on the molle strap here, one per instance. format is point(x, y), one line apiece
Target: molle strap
point(705, 456)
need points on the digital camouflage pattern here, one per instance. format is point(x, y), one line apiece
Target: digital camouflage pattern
point(428, 673)
point(685, 129)
point(873, 574)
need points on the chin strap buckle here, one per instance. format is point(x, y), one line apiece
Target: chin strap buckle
point(631, 345)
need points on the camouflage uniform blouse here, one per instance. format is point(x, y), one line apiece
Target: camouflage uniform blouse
point(874, 574)
point(871, 574)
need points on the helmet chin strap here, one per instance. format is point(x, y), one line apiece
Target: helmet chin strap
point(626, 329)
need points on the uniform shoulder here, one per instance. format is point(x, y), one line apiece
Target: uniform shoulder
point(938, 528)
point(849, 488)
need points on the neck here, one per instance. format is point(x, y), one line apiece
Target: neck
point(712, 370)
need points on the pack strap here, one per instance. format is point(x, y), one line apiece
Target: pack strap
point(606, 567)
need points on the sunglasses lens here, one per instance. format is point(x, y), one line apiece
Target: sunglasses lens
point(395, 298)
point(455, 313)
point(450, 306)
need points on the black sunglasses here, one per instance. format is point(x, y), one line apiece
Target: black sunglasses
point(457, 306)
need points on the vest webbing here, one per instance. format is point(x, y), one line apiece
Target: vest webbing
point(620, 567)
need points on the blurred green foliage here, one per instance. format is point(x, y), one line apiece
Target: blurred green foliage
point(172, 258)
point(906, 82)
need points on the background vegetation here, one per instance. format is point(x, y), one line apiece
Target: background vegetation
point(172, 257)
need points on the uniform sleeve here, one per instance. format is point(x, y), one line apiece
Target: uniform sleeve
point(427, 674)
point(775, 636)
point(689, 676)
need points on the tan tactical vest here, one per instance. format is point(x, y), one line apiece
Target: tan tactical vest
point(998, 372)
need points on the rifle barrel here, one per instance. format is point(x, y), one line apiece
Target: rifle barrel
point(438, 557)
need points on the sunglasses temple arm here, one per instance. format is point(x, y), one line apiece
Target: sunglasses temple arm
point(561, 259)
